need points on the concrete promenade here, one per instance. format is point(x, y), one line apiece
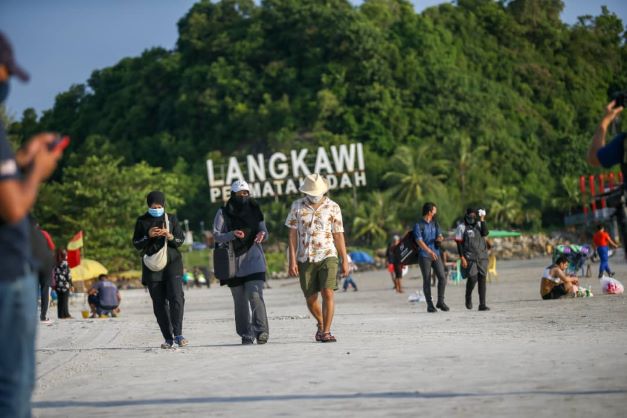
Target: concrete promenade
point(526, 357)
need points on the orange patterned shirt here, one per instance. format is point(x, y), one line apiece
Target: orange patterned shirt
point(315, 229)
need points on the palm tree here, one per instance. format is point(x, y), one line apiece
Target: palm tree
point(469, 160)
point(416, 172)
point(375, 218)
point(506, 207)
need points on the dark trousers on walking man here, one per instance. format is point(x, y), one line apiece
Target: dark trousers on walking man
point(426, 265)
point(476, 273)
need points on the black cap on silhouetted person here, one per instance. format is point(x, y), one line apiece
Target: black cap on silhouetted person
point(7, 59)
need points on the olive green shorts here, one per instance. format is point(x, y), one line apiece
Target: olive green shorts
point(317, 276)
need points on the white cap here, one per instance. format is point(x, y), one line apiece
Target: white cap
point(239, 185)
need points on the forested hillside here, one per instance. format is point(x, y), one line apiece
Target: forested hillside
point(480, 102)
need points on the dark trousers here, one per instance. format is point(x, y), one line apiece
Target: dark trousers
point(63, 301)
point(250, 309)
point(44, 294)
point(470, 285)
point(426, 264)
point(168, 302)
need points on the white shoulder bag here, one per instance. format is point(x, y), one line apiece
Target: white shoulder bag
point(158, 260)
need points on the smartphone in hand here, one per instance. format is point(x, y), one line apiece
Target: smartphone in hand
point(59, 143)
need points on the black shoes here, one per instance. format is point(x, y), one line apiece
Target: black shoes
point(468, 304)
point(431, 308)
point(442, 306)
point(483, 308)
point(247, 341)
point(262, 338)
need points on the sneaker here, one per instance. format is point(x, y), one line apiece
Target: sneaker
point(442, 306)
point(167, 344)
point(181, 341)
point(263, 338)
point(247, 341)
point(46, 321)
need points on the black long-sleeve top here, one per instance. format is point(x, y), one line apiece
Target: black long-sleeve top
point(149, 246)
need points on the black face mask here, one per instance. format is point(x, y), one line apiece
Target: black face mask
point(4, 91)
point(240, 201)
point(470, 220)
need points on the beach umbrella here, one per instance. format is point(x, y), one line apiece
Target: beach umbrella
point(87, 269)
point(129, 274)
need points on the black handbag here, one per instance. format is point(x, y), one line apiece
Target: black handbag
point(406, 252)
point(224, 261)
point(224, 266)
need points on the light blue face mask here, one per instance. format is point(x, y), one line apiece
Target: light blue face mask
point(156, 212)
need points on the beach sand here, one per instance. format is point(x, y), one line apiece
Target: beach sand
point(526, 357)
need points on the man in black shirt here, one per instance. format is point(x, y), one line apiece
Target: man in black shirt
point(18, 284)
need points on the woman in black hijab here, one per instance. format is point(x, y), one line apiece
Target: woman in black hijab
point(166, 285)
point(241, 222)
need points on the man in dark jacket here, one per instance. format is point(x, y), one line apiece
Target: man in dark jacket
point(473, 253)
point(166, 285)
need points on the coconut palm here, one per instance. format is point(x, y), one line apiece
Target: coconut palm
point(470, 160)
point(506, 207)
point(375, 218)
point(416, 172)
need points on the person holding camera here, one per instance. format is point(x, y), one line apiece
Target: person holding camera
point(20, 177)
point(427, 235)
point(610, 154)
point(473, 253)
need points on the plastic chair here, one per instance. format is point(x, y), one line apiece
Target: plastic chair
point(492, 268)
point(456, 274)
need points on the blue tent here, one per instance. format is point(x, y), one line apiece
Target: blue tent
point(361, 257)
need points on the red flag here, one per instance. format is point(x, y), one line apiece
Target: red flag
point(73, 258)
point(48, 238)
point(76, 242)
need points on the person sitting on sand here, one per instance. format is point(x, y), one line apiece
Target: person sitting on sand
point(555, 283)
point(104, 297)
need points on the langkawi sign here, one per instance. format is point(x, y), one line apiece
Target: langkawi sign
point(282, 174)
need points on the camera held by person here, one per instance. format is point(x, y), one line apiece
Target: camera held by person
point(610, 154)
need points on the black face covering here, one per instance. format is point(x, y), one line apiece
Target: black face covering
point(470, 220)
point(4, 91)
point(244, 214)
point(240, 201)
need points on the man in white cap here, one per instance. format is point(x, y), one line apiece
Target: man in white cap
point(316, 237)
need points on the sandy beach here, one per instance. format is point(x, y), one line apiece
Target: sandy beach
point(526, 357)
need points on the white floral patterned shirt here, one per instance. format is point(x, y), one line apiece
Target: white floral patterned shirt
point(315, 229)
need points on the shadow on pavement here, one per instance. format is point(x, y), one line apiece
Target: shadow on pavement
point(326, 397)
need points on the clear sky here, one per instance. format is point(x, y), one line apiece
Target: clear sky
point(60, 42)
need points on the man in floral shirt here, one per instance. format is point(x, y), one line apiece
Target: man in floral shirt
point(316, 236)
